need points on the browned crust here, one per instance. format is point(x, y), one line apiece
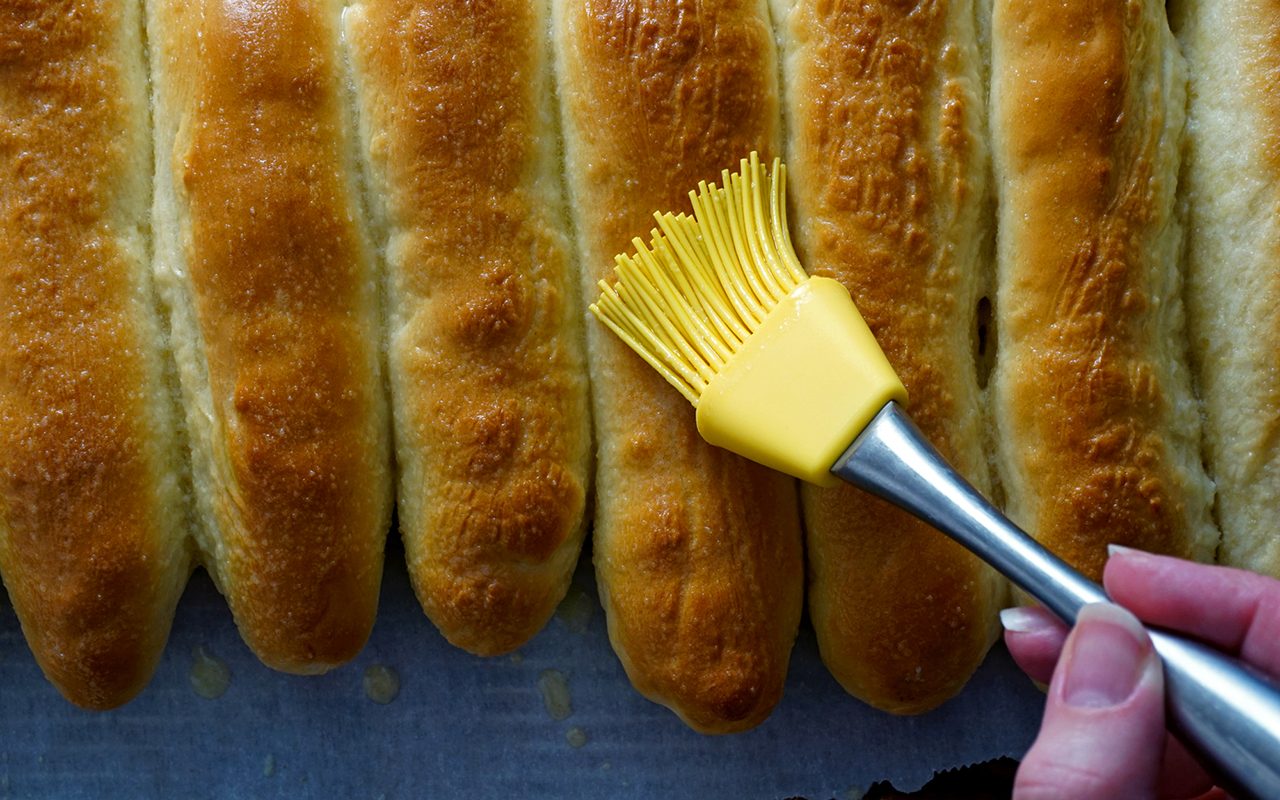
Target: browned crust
point(1260, 19)
point(1082, 392)
point(296, 458)
point(697, 552)
point(90, 523)
point(889, 179)
point(487, 366)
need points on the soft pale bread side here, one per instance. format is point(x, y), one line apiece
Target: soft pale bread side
point(697, 552)
point(1232, 196)
point(887, 159)
point(1098, 434)
point(93, 534)
point(264, 264)
point(487, 370)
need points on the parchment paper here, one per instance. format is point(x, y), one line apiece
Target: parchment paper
point(462, 726)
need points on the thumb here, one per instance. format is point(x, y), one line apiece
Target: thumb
point(1103, 730)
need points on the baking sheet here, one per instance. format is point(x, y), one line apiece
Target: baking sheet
point(462, 726)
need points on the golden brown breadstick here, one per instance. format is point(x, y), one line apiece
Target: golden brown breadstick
point(888, 165)
point(264, 262)
point(92, 517)
point(1098, 434)
point(486, 361)
point(697, 552)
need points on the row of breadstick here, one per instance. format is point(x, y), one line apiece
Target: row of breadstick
point(275, 266)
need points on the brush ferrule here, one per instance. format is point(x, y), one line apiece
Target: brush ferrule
point(802, 387)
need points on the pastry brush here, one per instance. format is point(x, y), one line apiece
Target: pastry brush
point(783, 370)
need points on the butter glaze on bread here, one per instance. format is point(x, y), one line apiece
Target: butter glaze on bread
point(697, 552)
point(486, 359)
point(1098, 432)
point(1232, 197)
point(92, 516)
point(888, 168)
point(264, 263)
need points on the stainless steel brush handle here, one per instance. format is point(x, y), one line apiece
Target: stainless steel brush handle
point(1220, 708)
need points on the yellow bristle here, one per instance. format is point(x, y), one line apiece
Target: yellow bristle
point(781, 367)
point(620, 319)
point(717, 227)
point(689, 299)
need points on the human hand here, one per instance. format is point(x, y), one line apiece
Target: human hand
point(1103, 732)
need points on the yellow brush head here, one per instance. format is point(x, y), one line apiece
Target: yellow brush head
point(780, 366)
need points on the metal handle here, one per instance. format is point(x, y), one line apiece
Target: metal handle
point(1221, 709)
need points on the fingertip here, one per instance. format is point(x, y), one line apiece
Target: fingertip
point(1034, 637)
point(1107, 657)
point(1125, 551)
point(1123, 560)
point(1027, 619)
point(1095, 618)
point(1128, 567)
point(1233, 609)
point(1103, 730)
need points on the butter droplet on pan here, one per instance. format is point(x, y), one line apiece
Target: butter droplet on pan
point(210, 676)
point(555, 694)
point(381, 684)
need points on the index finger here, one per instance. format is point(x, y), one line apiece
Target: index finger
point(1236, 610)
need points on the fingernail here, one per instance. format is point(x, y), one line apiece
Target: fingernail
point(1021, 619)
point(1119, 549)
point(1106, 657)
